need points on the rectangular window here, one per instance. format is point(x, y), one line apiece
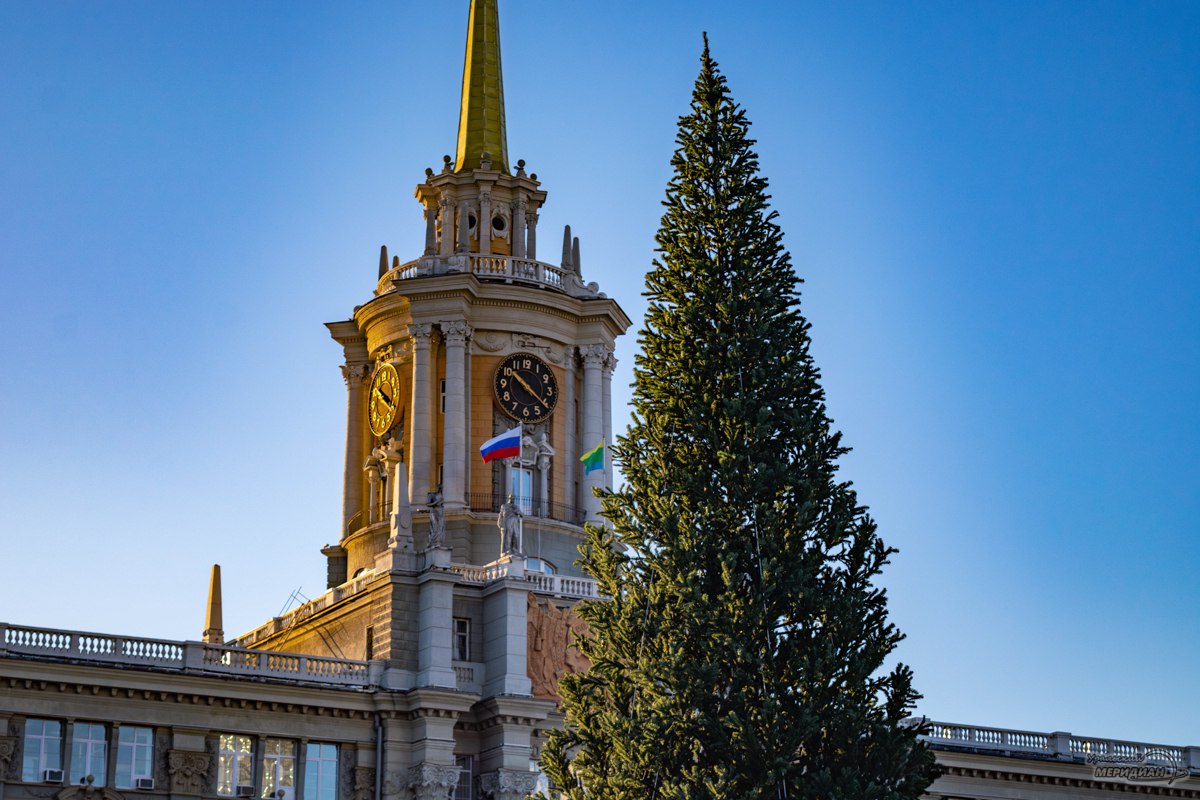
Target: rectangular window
point(462, 639)
point(43, 748)
point(88, 747)
point(522, 489)
point(235, 764)
point(135, 756)
point(279, 769)
point(462, 791)
point(320, 771)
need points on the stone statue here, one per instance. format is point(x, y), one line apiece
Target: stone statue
point(437, 518)
point(509, 523)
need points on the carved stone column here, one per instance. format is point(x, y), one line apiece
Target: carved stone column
point(355, 375)
point(507, 784)
point(594, 356)
point(531, 236)
point(483, 228)
point(432, 781)
point(401, 516)
point(421, 435)
point(454, 433)
point(464, 227)
point(606, 372)
point(569, 468)
point(543, 464)
point(431, 215)
point(518, 227)
point(446, 217)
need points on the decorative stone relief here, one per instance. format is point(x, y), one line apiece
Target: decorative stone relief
point(8, 748)
point(490, 341)
point(549, 654)
point(395, 353)
point(364, 783)
point(188, 770)
point(162, 744)
point(507, 784)
point(395, 786)
point(86, 790)
point(432, 781)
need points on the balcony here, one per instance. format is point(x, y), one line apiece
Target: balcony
point(492, 268)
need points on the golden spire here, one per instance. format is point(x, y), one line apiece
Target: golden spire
point(481, 120)
point(213, 633)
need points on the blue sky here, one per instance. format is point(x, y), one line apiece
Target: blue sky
point(995, 207)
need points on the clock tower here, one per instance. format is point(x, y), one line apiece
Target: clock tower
point(473, 337)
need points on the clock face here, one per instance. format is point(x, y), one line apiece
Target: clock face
point(384, 402)
point(526, 388)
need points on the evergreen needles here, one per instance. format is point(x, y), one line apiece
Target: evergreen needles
point(740, 653)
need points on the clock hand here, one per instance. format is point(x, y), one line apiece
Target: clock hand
point(528, 388)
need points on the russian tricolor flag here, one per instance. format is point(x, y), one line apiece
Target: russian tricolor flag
point(506, 445)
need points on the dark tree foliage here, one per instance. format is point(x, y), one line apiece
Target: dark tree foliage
point(741, 652)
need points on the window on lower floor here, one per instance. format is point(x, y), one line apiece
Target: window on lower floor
point(88, 748)
point(464, 790)
point(320, 771)
point(235, 764)
point(135, 756)
point(539, 565)
point(43, 749)
point(279, 769)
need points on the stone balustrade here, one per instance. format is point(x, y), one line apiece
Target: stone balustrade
point(1058, 745)
point(192, 657)
point(496, 267)
point(538, 582)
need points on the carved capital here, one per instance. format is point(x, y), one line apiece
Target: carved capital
point(432, 781)
point(610, 363)
point(455, 332)
point(8, 748)
point(507, 784)
point(594, 355)
point(532, 216)
point(520, 204)
point(355, 374)
point(188, 770)
point(421, 333)
point(395, 786)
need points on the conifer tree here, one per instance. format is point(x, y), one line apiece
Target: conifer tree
point(740, 653)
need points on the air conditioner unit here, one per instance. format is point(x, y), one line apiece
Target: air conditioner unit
point(245, 791)
point(52, 776)
point(144, 784)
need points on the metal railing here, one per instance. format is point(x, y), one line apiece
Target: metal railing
point(483, 503)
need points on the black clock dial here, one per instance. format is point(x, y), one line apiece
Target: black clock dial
point(526, 388)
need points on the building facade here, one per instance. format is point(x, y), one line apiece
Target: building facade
point(428, 668)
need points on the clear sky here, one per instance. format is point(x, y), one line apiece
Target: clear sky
point(995, 207)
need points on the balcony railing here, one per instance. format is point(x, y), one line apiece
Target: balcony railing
point(538, 582)
point(483, 503)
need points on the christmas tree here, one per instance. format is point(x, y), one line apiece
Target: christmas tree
point(740, 651)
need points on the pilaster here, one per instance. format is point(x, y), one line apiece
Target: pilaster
point(355, 375)
point(606, 373)
point(422, 424)
point(594, 356)
point(435, 625)
point(505, 635)
point(454, 434)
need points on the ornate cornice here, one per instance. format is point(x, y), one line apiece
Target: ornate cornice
point(1090, 784)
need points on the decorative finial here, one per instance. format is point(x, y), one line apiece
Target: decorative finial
point(447, 164)
point(566, 255)
point(383, 260)
point(520, 168)
point(428, 172)
point(575, 255)
point(485, 161)
point(213, 632)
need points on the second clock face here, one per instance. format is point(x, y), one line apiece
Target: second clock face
point(385, 399)
point(526, 388)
